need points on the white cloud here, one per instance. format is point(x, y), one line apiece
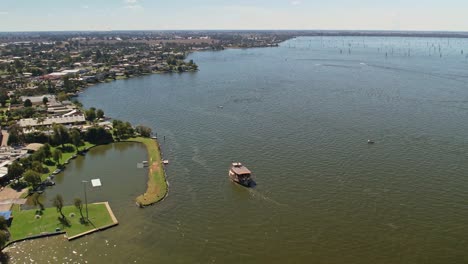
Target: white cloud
point(132, 4)
point(296, 2)
point(133, 7)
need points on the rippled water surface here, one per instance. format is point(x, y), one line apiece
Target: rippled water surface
point(299, 116)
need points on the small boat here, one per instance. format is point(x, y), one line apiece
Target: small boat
point(57, 171)
point(369, 141)
point(145, 163)
point(165, 162)
point(240, 174)
point(220, 106)
point(74, 156)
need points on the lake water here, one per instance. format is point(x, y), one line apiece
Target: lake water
point(299, 116)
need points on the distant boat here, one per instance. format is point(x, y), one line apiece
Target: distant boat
point(240, 174)
point(165, 162)
point(220, 106)
point(370, 141)
point(145, 163)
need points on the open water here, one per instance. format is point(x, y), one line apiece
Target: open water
point(299, 116)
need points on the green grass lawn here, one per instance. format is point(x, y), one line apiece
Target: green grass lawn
point(65, 157)
point(157, 186)
point(25, 224)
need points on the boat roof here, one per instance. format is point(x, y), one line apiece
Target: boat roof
point(240, 169)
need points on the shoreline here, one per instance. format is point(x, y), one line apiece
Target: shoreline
point(157, 186)
point(114, 222)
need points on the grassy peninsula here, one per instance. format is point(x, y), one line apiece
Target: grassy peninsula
point(157, 185)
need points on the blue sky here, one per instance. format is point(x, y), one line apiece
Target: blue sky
point(33, 15)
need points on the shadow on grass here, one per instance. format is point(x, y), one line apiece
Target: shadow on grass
point(67, 149)
point(64, 222)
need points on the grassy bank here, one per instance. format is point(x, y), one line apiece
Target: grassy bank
point(25, 224)
point(66, 155)
point(157, 186)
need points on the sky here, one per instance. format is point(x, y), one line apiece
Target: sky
point(48, 15)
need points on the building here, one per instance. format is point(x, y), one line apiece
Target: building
point(38, 100)
point(48, 121)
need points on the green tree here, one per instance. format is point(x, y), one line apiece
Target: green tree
point(32, 177)
point(15, 135)
point(60, 135)
point(91, 114)
point(122, 129)
point(47, 150)
point(57, 201)
point(37, 166)
point(143, 131)
point(99, 113)
point(3, 239)
point(37, 201)
point(3, 97)
point(62, 97)
point(39, 155)
point(27, 103)
point(76, 140)
point(98, 135)
point(15, 170)
point(3, 224)
point(57, 155)
point(79, 205)
point(45, 100)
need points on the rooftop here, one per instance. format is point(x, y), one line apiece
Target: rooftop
point(51, 120)
point(240, 169)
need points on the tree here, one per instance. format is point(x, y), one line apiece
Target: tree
point(47, 150)
point(37, 166)
point(62, 97)
point(3, 239)
point(98, 135)
point(45, 100)
point(3, 224)
point(76, 140)
point(57, 155)
point(3, 97)
point(60, 136)
point(58, 203)
point(15, 170)
point(39, 155)
point(79, 205)
point(37, 201)
point(32, 177)
point(122, 129)
point(143, 131)
point(91, 114)
point(27, 103)
point(15, 135)
point(99, 113)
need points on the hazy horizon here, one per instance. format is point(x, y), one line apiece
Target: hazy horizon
point(117, 15)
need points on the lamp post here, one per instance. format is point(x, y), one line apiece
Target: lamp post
point(86, 199)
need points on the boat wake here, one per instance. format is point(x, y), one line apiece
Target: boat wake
point(256, 194)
